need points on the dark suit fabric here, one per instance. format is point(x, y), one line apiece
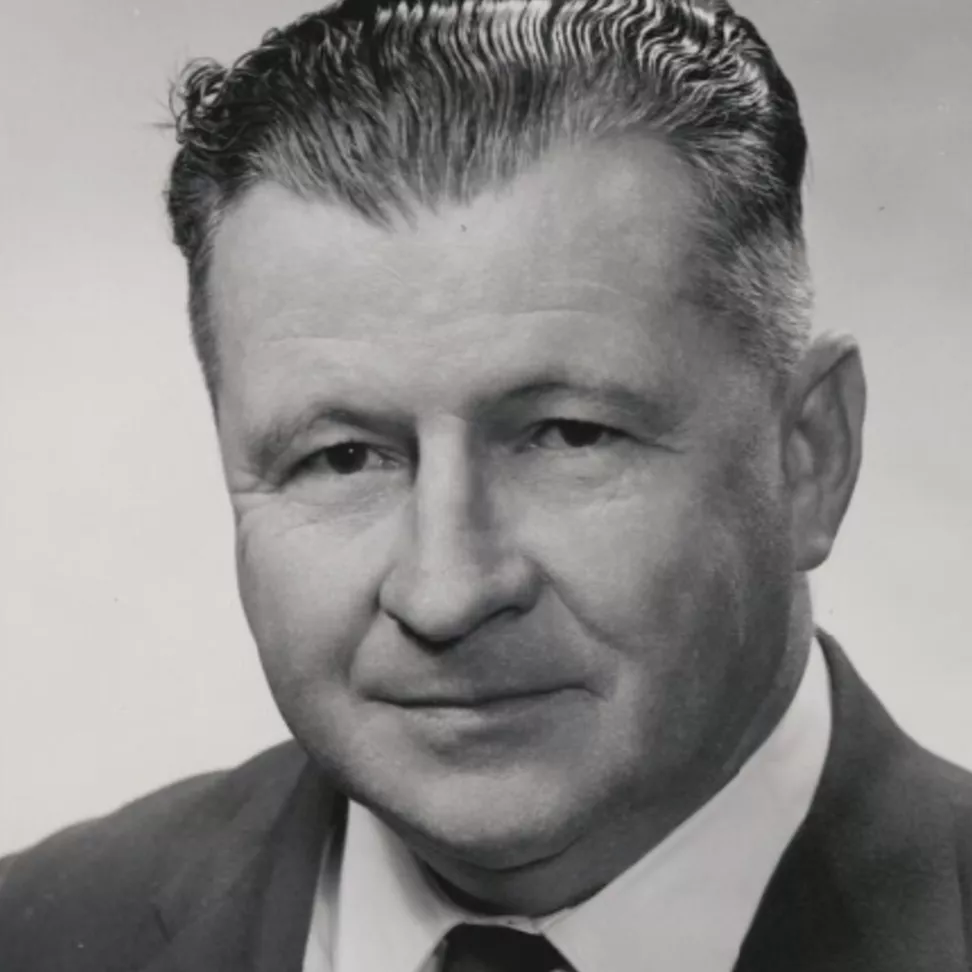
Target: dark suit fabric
point(218, 873)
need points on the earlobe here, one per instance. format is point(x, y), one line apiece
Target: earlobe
point(823, 444)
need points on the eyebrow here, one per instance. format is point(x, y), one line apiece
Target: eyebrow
point(660, 412)
point(270, 441)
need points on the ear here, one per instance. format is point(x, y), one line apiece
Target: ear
point(822, 444)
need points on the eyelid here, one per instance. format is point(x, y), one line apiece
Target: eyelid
point(315, 442)
point(351, 440)
point(557, 420)
point(605, 434)
point(303, 464)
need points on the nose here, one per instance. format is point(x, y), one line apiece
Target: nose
point(456, 564)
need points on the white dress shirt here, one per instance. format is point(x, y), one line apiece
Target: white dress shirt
point(686, 905)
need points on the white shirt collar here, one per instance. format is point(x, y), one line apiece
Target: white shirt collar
point(687, 904)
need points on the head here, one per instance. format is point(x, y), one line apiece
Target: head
point(503, 311)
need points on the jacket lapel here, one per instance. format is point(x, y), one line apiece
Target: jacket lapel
point(870, 881)
point(246, 906)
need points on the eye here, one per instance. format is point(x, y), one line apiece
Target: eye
point(572, 434)
point(345, 459)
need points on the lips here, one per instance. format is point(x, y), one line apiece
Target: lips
point(456, 725)
point(477, 700)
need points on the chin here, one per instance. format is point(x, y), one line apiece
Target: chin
point(484, 822)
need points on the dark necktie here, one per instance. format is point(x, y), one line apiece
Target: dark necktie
point(490, 948)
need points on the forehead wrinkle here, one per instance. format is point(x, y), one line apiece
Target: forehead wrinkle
point(382, 338)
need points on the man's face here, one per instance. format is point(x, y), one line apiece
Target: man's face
point(512, 533)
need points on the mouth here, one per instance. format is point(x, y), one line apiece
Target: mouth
point(457, 724)
point(476, 702)
point(447, 720)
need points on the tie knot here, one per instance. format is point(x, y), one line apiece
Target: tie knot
point(493, 948)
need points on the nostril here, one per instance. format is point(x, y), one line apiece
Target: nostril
point(423, 640)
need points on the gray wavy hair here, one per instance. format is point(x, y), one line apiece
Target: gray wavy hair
point(382, 106)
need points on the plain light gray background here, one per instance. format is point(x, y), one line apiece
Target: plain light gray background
point(124, 659)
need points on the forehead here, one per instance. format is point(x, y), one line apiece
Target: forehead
point(582, 259)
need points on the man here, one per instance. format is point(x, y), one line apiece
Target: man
point(504, 313)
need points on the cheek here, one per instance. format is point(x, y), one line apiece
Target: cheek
point(632, 569)
point(670, 577)
point(727, 557)
point(308, 595)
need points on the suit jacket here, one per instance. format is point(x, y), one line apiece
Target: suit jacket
point(218, 873)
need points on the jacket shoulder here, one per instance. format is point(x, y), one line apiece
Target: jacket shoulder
point(99, 877)
point(957, 783)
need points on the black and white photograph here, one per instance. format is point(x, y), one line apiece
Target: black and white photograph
point(486, 486)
